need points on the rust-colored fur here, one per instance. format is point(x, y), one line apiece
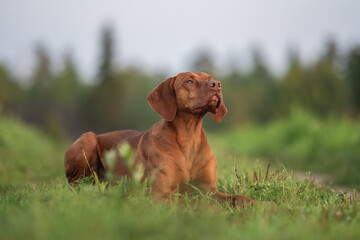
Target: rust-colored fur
point(176, 146)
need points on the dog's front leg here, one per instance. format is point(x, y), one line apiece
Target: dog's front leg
point(163, 186)
point(207, 181)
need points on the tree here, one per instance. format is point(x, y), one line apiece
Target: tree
point(250, 96)
point(68, 96)
point(106, 99)
point(204, 62)
point(294, 86)
point(353, 76)
point(38, 100)
point(261, 89)
point(328, 90)
point(9, 92)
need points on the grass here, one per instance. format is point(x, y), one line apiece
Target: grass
point(26, 155)
point(125, 211)
point(36, 203)
point(302, 142)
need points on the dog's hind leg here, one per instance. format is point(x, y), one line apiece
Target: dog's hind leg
point(82, 158)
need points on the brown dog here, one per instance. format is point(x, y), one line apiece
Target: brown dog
point(176, 146)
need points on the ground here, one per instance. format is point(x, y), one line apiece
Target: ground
point(37, 203)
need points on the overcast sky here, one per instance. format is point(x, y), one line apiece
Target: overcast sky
point(163, 34)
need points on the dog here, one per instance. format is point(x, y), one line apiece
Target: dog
point(175, 149)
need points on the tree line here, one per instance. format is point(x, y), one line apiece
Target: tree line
point(64, 105)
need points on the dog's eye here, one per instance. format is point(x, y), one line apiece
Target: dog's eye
point(189, 81)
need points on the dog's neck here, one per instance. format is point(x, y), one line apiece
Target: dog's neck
point(188, 131)
point(192, 123)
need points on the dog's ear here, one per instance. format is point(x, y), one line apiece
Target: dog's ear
point(220, 114)
point(162, 99)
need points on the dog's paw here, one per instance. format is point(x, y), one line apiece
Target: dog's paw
point(267, 203)
point(239, 200)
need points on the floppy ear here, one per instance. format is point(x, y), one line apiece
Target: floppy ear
point(220, 114)
point(162, 99)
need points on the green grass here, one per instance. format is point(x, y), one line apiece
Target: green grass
point(302, 142)
point(36, 202)
point(26, 155)
point(55, 211)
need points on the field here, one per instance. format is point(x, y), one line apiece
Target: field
point(36, 202)
point(302, 142)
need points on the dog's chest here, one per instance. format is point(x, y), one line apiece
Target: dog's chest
point(193, 159)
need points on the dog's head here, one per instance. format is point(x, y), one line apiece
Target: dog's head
point(194, 93)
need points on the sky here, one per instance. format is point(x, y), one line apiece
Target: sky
point(165, 35)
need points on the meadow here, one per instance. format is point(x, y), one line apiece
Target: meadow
point(37, 203)
point(303, 142)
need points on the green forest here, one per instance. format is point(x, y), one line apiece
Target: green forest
point(62, 103)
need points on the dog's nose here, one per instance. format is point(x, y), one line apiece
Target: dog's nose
point(214, 85)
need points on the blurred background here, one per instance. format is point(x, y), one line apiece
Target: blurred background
point(290, 72)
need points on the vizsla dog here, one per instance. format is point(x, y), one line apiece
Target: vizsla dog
point(175, 149)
